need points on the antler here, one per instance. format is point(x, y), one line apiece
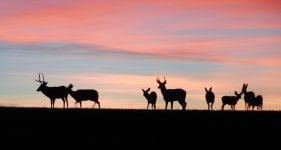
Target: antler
point(40, 81)
point(158, 80)
point(43, 77)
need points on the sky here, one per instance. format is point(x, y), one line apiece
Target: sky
point(120, 47)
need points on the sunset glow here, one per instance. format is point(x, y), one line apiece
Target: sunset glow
point(120, 47)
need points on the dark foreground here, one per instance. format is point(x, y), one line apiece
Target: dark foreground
point(139, 127)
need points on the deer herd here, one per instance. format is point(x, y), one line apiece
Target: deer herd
point(169, 95)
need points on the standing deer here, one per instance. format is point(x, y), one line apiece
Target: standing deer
point(257, 102)
point(210, 98)
point(231, 100)
point(84, 95)
point(150, 97)
point(171, 95)
point(53, 92)
point(251, 100)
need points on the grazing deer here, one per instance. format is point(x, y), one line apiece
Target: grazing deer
point(84, 95)
point(251, 100)
point(53, 92)
point(150, 97)
point(171, 95)
point(231, 100)
point(210, 98)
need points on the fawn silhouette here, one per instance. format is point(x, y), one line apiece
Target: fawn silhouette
point(84, 95)
point(150, 97)
point(231, 100)
point(53, 92)
point(171, 95)
point(251, 100)
point(210, 98)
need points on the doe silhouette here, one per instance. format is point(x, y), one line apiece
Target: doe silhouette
point(251, 100)
point(53, 92)
point(210, 98)
point(84, 95)
point(150, 97)
point(171, 95)
point(231, 100)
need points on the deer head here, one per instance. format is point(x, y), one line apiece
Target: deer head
point(208, 91)
point(146, 91)
point(42, 82)
point(238, 95)
point(161, 84)
point(244, 88)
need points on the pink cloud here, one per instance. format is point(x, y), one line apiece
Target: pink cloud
point(62, 21)
point(148, 26)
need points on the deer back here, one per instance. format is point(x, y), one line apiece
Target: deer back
point(174, 94)
point(55, 92)
point(85, 94)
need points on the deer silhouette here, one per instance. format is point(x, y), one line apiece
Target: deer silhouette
point(231, 100)
point(171, 95)
point(150, 97)
point(84, 95)
point(210, 98)
point(53, 92)
point(251, 100)
point(258, 102)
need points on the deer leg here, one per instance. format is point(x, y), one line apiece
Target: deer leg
point(63, 100)
point(183, 104)
point(98, 104)
point(222, 106)
point(80, 104)
point(53, 103)
point(172, 103)
point(66, 102)
point(147, 106)
point(166, 104)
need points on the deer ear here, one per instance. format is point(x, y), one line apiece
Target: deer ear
point(148, 89)
point(210, 89)
point(143, 90)
point(206, 89)
point(158, 80)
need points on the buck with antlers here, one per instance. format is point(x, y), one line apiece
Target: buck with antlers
point(171, 95)
point(53, 92)
point(84, 95)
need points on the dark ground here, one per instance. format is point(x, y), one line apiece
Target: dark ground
point(139, 127)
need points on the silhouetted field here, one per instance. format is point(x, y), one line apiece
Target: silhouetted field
point(158, 127)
